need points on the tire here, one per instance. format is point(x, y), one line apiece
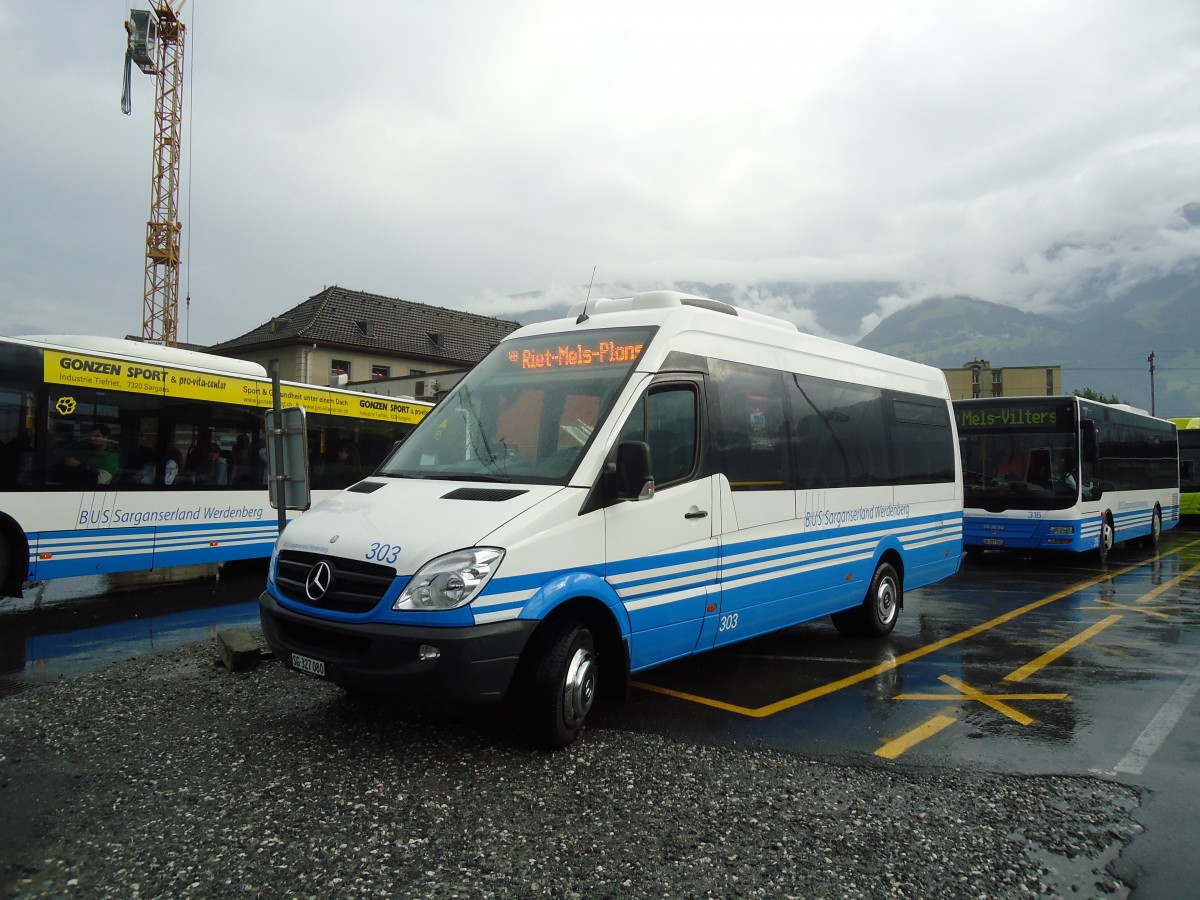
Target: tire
point(1107, 538)
point(6, 562)
point(1150, 541)
point(564, 685)
point(876, 616)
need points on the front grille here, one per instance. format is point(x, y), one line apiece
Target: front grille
point(356, 587)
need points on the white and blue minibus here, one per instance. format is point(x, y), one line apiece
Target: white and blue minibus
point(1065, 473)
point(653, 477)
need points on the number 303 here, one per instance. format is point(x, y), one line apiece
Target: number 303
point(386, 553)
point(728, 623)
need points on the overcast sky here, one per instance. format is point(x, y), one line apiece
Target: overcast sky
point(458, 153)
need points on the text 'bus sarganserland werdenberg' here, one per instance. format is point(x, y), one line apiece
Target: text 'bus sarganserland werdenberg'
point(653, 477)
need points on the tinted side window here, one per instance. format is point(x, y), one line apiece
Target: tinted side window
point(666, 420)
point(839, 433)
point(751, 441)
point(922, 450)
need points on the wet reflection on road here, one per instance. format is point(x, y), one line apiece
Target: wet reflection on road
point(77, 625)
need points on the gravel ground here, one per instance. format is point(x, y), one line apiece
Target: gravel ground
point(168, 776)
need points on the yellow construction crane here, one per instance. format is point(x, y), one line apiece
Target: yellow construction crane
point(156, 42)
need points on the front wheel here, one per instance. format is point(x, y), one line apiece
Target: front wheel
point(564, 685)
point(6, 557)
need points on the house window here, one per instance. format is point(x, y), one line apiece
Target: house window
point(340, 367)
point(380, 372)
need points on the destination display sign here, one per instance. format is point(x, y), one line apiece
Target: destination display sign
point(102, 373)
point(592, 350)
point(1014, 416)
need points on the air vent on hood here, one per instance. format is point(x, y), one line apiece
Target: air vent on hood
point(482, 494)
point(365, 487)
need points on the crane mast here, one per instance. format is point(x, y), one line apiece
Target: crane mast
point(156, 44)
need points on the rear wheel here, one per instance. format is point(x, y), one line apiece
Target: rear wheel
point(1108, 536)
point(563, 687)
point(1151, 540)
point(876, 616)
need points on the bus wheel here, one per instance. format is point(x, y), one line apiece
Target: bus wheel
point(1107, 538)
point(1151, 540)
point(564, 684)
point(876, 616)
point(6, 556)
point(882, 604)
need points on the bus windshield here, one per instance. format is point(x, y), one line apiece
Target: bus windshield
point(1022, 455)
point(526, 413)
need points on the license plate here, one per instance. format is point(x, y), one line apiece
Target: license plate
point(309, 665)
point(993, 542)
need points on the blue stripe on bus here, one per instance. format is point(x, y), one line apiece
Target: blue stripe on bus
point(682, 576)
point(106, 550)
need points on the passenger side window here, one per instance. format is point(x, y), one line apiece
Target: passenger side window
point(665, 418)
point(924, 453)
point(840, 435)
point(752, 446)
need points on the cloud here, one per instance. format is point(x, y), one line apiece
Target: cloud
point(460, 153)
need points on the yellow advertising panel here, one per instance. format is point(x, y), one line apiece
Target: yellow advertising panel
point(101, 373)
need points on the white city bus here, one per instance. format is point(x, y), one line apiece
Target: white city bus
point(1064, 473)
point(653, 477)
point(118, 456)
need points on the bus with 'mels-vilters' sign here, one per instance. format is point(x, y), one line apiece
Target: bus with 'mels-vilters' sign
point(1064, 473)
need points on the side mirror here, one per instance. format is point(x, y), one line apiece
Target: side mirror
point(634, 481)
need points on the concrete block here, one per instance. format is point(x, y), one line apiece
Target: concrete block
point(239, 651)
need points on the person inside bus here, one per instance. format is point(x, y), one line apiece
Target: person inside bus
point(172, 466)
point(98, 463)
point(1065, 472)
point(241, 468)
point(344, 469)
point(214, 469)
point(1012, 465)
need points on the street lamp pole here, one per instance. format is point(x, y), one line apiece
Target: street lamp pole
point(1150, 359)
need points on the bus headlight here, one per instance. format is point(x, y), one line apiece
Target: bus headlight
point(450, 581)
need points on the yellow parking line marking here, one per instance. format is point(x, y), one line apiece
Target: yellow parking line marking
point(1109, 604)
point(1166, 585)
point(832, 687)
point(1056, 638)
point(1065, 647)
point(866, 674)
point(995, 701)
point(910, 739)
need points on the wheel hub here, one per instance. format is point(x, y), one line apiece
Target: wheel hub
point(579, 687)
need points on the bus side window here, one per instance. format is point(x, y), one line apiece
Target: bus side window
point(753, 444)
point(666, 420)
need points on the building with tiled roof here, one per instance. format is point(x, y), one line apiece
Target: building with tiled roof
point(366, 337)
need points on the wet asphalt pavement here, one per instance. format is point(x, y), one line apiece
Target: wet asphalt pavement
point(800, 764)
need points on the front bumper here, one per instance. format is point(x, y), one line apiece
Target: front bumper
point(476, 664)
